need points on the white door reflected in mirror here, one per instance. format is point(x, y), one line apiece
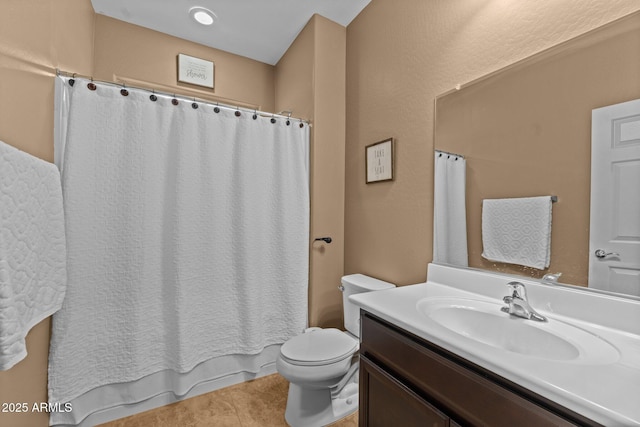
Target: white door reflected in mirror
point(614, 242)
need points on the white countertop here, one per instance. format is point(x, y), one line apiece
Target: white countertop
point(607, 393)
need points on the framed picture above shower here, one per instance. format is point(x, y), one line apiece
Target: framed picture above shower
point(379, 161)
point(195, 71)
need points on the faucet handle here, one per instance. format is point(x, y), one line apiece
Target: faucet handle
point(517, 290)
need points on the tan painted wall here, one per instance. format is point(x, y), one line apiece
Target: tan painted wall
point(149, 59)
point(526, 131)
point(310, 81)
point(38, 36)
point(399, 58)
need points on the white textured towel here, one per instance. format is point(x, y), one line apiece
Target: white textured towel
point(33, 275)
point(517, 231)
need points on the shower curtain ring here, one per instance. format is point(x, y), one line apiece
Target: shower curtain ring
point(174, 101)
point(153, 96)
point(194, 104)
point(123, 91)
point(238, 113)
point(216, 109)
point(273, 119)
point(255, 114)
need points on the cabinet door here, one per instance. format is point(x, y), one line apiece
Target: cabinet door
point(386, 402)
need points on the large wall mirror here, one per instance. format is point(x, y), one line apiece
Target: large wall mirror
point(526, 131)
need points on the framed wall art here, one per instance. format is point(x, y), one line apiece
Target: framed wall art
point(195, 71)
point(379, 161)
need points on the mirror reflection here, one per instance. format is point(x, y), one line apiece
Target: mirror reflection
point(526, 131)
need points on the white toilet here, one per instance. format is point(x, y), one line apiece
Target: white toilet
point(321, 365)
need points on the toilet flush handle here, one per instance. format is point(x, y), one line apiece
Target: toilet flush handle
point(327, 240)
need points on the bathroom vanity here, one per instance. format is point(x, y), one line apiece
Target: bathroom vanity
point(408, 381)
point(442, 353)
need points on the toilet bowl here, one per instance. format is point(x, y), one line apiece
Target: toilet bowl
point(321, 365)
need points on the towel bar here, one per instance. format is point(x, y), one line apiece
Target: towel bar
point(554, 199)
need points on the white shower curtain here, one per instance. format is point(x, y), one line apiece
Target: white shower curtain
point(187, 235)
point(449, 210)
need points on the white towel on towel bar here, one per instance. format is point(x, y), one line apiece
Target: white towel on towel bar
point(33, 275)
point(517, 231)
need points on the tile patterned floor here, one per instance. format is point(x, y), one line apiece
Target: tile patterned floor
point(257, 403)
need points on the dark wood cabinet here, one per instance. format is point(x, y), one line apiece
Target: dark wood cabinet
point(408, 381)
point(391, 403)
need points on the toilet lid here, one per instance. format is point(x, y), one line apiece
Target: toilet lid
point(319, 347)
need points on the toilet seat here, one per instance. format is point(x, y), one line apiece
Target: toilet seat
point(319, 347)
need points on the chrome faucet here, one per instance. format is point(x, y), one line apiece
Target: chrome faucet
point(518, 305)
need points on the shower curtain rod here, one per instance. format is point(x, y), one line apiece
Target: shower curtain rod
point(450, 154)
point(221, 105)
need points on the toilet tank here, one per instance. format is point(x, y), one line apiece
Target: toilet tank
point(355, 284)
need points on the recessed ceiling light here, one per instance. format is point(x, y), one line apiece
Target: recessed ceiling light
point(202, 15)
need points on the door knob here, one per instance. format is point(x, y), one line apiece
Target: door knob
point(601, 254)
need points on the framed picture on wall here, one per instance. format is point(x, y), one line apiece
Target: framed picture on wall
point(195, 71)
point(379, 161)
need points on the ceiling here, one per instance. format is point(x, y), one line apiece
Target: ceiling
point(258, 29)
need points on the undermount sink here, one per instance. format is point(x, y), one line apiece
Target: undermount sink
point(483, 322)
